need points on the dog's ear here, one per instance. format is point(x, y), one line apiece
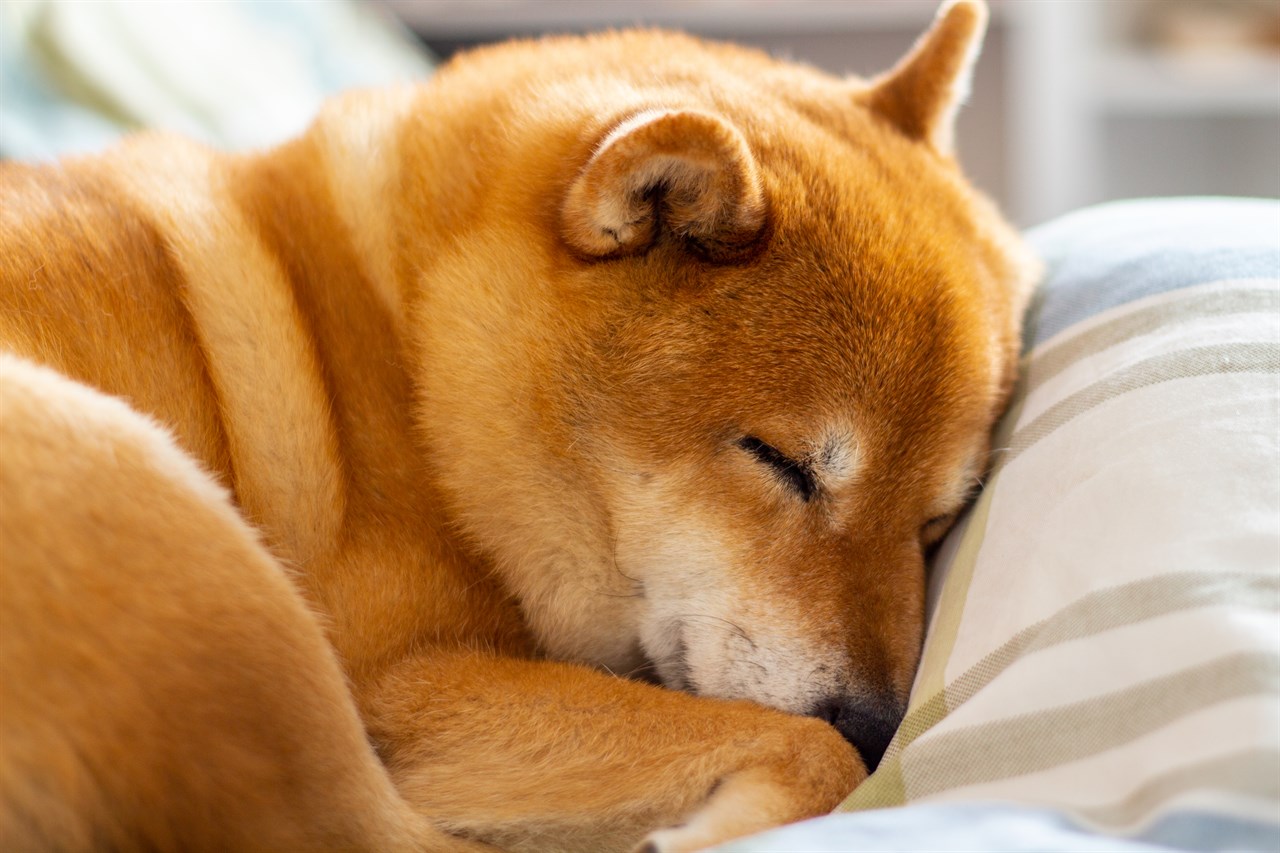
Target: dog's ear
point(921, 93)
point(687, 173)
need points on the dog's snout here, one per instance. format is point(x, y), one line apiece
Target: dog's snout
point(868, 724)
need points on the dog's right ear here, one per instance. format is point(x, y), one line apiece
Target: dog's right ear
point(921, 93)
point(683, 172)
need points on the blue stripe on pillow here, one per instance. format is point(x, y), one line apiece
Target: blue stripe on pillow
point(1108, 255)
point(1198, 830)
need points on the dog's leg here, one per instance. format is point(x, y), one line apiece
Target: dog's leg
point(162, 685)
point(547, 756)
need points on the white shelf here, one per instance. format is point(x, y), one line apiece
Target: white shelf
point(488, 18)
point(1150, 83)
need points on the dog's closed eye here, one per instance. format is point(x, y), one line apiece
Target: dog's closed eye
point(931, 531)
point(796, 474)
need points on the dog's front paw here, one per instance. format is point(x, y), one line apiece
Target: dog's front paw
point(806, 776)
point(672, 840)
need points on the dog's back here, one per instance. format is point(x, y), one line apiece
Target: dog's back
point(72, 247)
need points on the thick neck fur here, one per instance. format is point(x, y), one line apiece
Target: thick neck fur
point(330, 213)
point(419, 284)
point(461, 263)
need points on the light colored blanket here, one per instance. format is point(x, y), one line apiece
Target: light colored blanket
point(77, 74)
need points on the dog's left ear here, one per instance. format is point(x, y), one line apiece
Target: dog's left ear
point(685, 173)
point(920, 94)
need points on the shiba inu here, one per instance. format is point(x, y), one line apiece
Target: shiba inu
point(344, 483)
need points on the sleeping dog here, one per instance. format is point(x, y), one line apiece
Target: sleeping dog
point(344, 482)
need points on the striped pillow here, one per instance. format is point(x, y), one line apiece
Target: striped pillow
point(1104, 635)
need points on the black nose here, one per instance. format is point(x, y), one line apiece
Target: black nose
point(868, 724)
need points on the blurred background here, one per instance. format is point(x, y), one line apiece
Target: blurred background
point(1074, 101)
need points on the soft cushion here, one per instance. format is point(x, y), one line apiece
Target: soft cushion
point(1104, 643)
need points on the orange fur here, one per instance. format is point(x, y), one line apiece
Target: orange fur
point(494, 367)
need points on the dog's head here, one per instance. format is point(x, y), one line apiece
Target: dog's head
point(756, 330)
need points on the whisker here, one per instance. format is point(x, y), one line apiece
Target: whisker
point(647, 668)
point(733, 627)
